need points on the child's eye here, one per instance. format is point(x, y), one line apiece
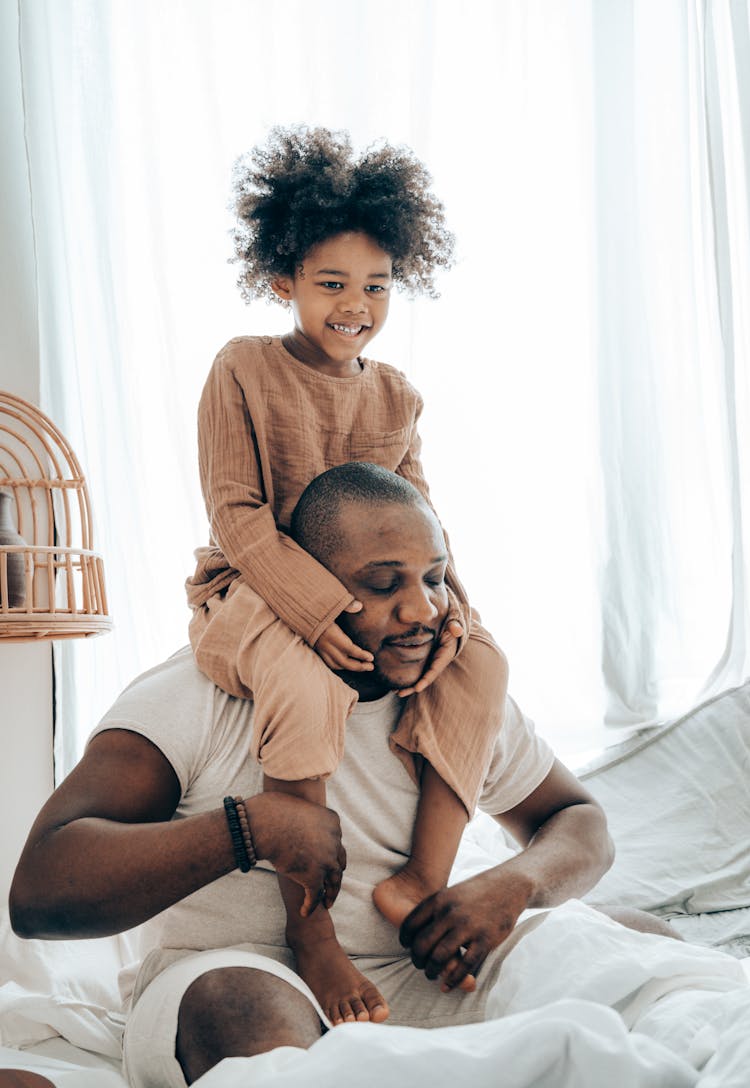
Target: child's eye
point(375, 288)
point(332, 285)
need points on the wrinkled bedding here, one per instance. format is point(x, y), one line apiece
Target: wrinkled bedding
point(619, 1008)
point(580, 1002)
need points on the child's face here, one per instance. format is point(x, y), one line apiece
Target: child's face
point(339, 298)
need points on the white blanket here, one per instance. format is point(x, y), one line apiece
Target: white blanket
point(565, 998)
point(580, 1003)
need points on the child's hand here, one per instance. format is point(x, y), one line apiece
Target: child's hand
point(444, 653)
point(339, 652)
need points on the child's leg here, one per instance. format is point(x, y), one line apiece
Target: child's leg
point(343, 992)
point(453, 724)
point(440, 822)
point(300, 711)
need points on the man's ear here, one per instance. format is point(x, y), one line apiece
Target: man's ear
point(283, 286)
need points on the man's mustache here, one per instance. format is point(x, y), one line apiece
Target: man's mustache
point(418, 632)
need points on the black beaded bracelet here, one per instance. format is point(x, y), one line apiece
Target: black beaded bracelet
point(235, 830)
point(247, 837)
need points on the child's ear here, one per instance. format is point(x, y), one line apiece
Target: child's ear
point(282, 286)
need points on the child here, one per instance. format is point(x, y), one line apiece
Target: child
point(328, 234)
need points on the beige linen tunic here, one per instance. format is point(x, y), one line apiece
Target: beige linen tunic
point(268, 425)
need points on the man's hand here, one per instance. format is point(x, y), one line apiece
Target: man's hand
point(443, 654)
point(302, 841)
point(452, 932)
point(339, 652)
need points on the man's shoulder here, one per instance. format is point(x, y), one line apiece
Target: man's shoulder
point(179, 710)
point(520, 762)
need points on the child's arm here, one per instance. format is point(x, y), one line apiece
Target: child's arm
point(299, 590)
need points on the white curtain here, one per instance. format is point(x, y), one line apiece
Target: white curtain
point(585, 371)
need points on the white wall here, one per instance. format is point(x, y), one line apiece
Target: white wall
point(26, 772)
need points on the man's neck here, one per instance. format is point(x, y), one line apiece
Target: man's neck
point(368, 686)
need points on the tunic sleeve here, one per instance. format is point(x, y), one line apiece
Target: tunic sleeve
point(297, 588)
point(411, 469)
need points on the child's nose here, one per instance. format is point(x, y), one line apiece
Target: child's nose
point(353, 303)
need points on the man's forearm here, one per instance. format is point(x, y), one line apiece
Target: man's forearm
point(94, 877)
point(565, 858)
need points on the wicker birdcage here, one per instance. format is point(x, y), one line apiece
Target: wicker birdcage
point(58, 590)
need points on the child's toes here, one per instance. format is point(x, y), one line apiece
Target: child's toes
point(359, 1009)
point(335, 1015)
point(347, 1012)
point(377, 1008)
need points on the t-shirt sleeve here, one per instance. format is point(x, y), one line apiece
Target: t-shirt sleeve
point(521, 761)
point(296, 587)
point(172, 706)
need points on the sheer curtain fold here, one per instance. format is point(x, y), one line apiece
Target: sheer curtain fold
point(585, 372)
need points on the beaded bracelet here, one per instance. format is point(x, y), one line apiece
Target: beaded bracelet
point(238, 839)
point(247, 837)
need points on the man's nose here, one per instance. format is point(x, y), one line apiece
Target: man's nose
point(416, 605)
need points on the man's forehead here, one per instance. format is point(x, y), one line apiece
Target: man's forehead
point(377, 564)
point(390, 534)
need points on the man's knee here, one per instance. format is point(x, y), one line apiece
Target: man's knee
point(640, 920)
point(238, 1012)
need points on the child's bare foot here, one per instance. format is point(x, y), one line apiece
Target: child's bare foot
point(345, 995)
point(400, 894)
point(397, 897)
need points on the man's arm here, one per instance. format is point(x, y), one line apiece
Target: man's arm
point(567, 850)
point(104, 854)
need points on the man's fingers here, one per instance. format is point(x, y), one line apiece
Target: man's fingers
point(355, 606)
point(310, 902)
point(415, 921)
point(332, 887)
point(446, 949)
point(424, 940)
point(462, 969)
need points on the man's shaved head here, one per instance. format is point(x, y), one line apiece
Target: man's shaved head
point(315, 519)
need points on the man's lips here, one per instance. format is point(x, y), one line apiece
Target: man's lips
point(410, 648)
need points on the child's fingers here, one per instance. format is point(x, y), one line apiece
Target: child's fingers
point(355, 606)
point(441, 659)
point(353, 664)
point(357, 653)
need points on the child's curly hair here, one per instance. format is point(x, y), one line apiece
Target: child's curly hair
point(305, 185)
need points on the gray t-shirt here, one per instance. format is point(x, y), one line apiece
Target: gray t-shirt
point(205, 734)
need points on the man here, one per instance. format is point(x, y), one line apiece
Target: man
point(137, 832)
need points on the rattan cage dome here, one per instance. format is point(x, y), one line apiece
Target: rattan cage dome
point(51, 580)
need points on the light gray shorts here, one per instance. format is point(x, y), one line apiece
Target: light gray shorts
point(150, 1036)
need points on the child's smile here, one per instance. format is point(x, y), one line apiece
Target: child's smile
point(339, 298)
point(349, 331)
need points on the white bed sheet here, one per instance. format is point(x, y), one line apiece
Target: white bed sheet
point(683, 854)
point(689, 1038)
